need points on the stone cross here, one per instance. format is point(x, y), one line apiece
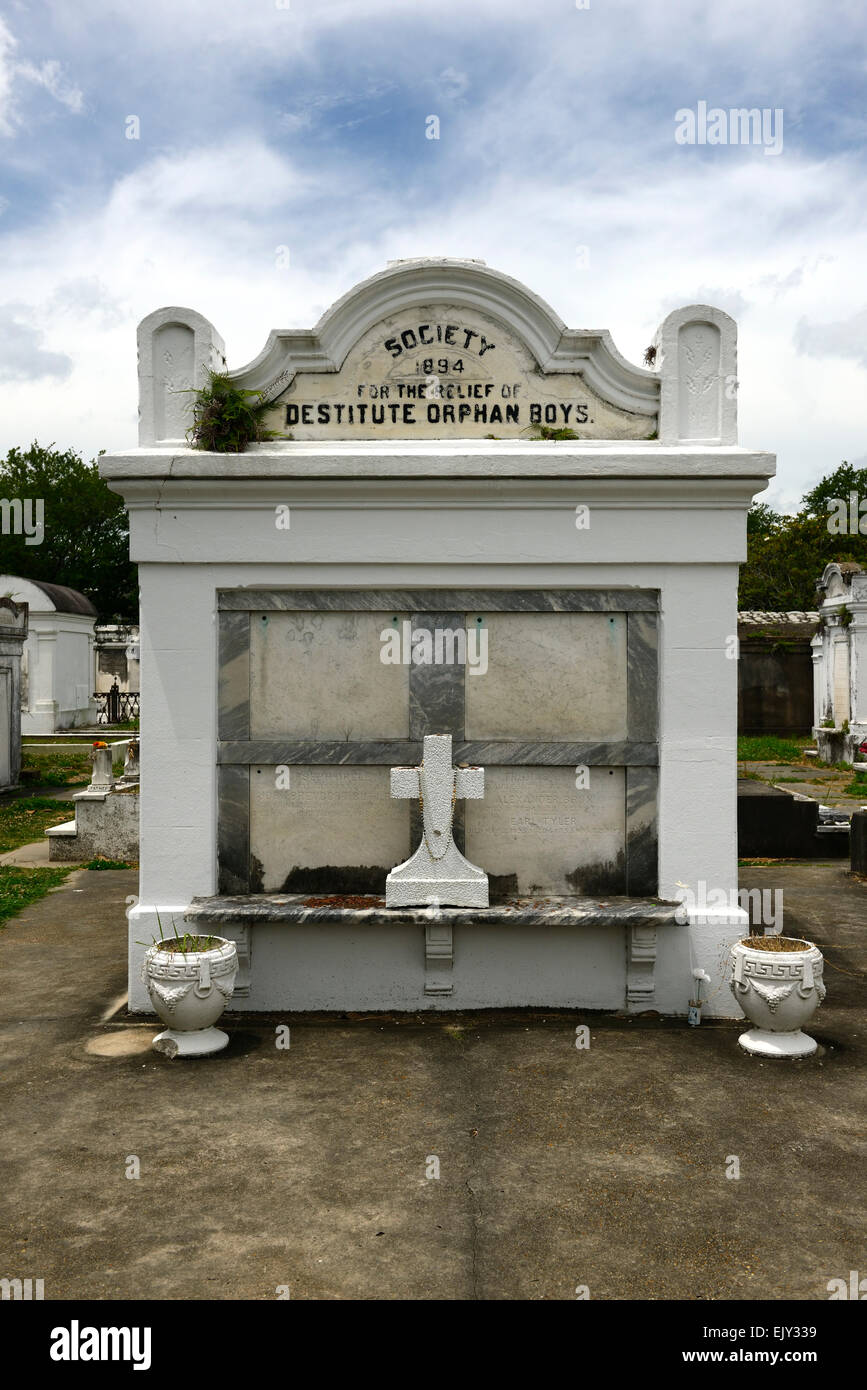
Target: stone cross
point(437, 874)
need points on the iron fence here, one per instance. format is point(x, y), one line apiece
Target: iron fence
point(116, 706)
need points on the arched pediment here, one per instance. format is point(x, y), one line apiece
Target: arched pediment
point(395, 293)
point(440, 348)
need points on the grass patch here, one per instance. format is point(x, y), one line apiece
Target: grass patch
point(101, 863)
point(768, 748)
point(35, 743)
point(25, 819)
point(858, 785)
point(56, 769)
point(60, 769)
point(20, 887)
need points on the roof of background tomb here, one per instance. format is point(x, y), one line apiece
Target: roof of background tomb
point(768, 628)
point(759, 617)
point(61, 599)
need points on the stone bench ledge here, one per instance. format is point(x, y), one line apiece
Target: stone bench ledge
point(274, 909)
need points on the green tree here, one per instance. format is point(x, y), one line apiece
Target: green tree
point(837, 485)
point(86, 541)
point(787, 554)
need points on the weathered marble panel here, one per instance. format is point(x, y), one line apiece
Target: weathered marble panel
point(341, 821)
point(536, 832)
point(320, 676)
point(560, 677)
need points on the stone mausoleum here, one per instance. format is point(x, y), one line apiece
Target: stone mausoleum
point(840, 664)
point(57, 661)
point(418, 559)
point(13, 635)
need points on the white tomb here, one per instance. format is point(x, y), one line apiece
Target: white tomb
point(840, 663)
point(57, 670)
point(578, 594)
point(13, 634)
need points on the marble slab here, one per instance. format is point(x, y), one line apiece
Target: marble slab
point(535, 832)
point(558, 677)
point(321, 676)
point(342, 819)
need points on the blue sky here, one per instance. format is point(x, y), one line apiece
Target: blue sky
point(265, 125)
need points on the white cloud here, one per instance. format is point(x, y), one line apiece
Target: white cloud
point(7, 75)
point(844, 338)
point(22, 356)
point(48, 75)
point(453, 84)
point(235, 176)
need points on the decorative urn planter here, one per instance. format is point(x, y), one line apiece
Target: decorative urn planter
point(778, 983)
point(189, 988)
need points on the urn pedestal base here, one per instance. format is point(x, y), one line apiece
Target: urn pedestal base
point(197, 1043)
point(763, 1043)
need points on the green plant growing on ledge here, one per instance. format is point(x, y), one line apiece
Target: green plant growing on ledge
point(226, 418)
point(545, 432)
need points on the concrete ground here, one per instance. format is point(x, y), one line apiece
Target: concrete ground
point(312, 1167)
point(33, 856)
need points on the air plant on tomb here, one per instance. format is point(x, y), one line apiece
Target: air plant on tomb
point(226, 418)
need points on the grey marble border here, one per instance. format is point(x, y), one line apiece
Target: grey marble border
point(407, 752)
point(233, 687)
point(437, 703)
point(441, 600)
point(642, 848)
point(233, 830)
point(642, 676)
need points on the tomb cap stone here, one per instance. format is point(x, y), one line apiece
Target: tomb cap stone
point(449, 348)
point(697, 360)
point(176, 349)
